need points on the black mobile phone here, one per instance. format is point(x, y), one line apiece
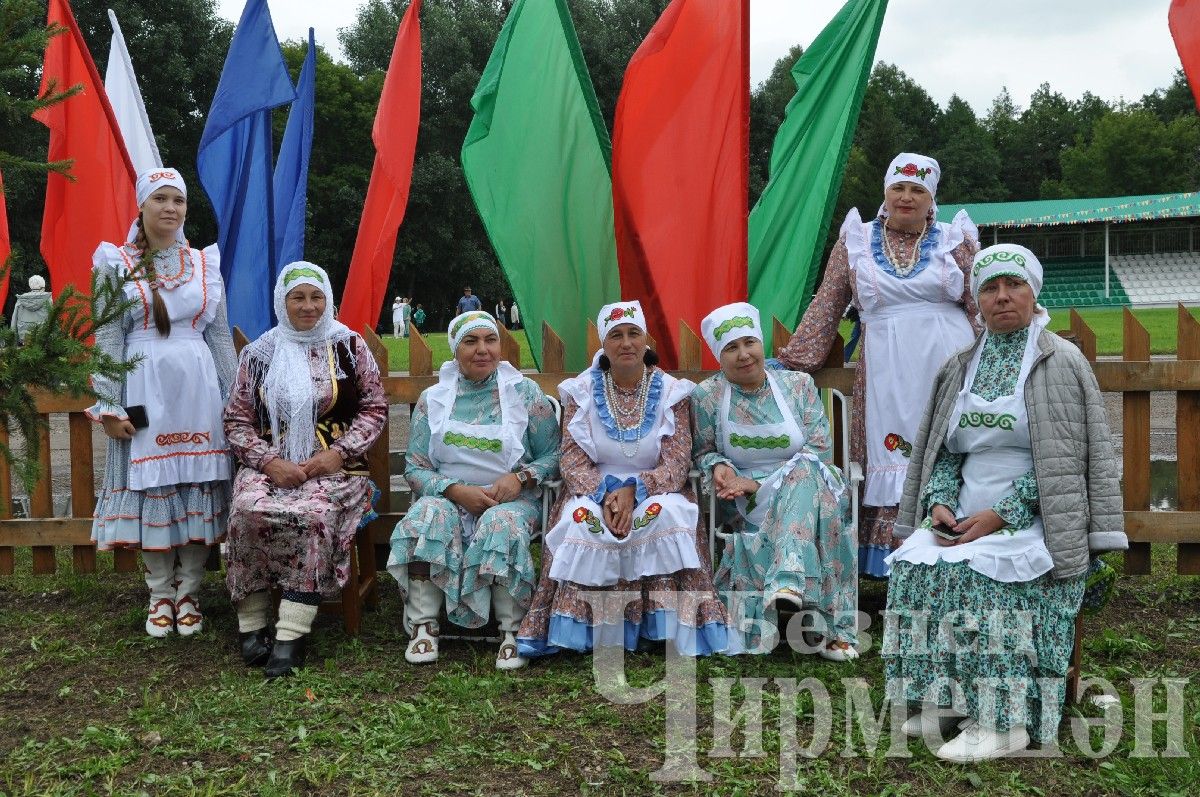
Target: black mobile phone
point(946, 532)
point(137, 416)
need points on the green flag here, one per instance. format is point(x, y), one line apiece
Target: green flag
point(788, 225)
point(537, 159)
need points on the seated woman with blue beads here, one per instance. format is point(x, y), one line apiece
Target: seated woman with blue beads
point(762, 439)
point(482, 441)
point(625, 561)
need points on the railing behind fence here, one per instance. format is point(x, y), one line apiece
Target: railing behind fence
point(1135, 376)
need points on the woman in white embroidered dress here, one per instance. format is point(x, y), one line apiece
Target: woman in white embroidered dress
point(905, 272)
point(166, 486)
point(625, 559)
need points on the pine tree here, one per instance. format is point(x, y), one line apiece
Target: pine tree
point(56, 355)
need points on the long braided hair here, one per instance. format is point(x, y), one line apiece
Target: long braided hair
point(146, 270)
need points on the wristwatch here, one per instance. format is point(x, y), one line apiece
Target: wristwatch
point(525, 477)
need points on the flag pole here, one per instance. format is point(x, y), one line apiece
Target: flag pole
point(745, 264)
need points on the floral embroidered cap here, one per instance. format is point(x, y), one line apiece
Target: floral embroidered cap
point(912, 168)
point(726, 324)
point(469, 321)
point(1010, 260)
point(620, 313)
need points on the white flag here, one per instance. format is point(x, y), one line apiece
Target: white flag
point(126, 98)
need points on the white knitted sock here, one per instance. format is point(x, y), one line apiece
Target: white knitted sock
point(252, 611)
point(295, 620)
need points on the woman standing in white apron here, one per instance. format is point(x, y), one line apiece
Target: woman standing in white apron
point(482, 441)
point(983, 595)
point(626, 522)
point(763, 439)
point(166, 484)
point(905, 273)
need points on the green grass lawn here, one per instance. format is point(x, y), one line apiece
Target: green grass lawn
point(1106, 322)
point(438, 343)
point(90, 705)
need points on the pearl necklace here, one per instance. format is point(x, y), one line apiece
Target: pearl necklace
point(906, 268)
point(610, 398)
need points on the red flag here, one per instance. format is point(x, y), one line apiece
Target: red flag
point(395, 137)
point(5, 245)
point(101, 202)
point(681, 167)
point(1184, 22)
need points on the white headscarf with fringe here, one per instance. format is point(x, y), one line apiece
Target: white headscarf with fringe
point(281, 359)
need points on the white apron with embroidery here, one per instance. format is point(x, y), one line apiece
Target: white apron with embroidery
point(476, 454)
point(779, 446)
point(994, 435)
point(185, 441)
point(912, 327)
point(663, 538)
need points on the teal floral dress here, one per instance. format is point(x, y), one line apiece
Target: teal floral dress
point(1003, 655)
point(462, 560)
point(805, 541)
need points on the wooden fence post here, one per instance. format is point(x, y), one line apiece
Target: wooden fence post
point(83, 486)
point(379, 466)
point(593, 340)
point(1136, 442)
point(1085, 338)
point(510, 350)
point(420, 356)
point(690, 353)
point(7, 553)
point(780, 335)
point(41, 500)
point(1187, 440)
point(553, 352)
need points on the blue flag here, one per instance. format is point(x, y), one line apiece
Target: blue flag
point(291, 167)
point(234, 164)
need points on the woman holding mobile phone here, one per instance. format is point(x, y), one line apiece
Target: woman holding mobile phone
point(1013, 487)
point(166, 479)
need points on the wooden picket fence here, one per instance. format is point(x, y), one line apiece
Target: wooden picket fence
point(1135, 376)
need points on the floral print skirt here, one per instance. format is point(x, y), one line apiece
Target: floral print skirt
point(998, 653)
point(495, 555)
point(296, 539)
point(804, 544)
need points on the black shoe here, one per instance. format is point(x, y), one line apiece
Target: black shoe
point(256, 647)
point(286, 658)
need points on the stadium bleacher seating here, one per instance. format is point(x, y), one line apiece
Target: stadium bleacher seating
point(1079, 282)
point(1161, 278)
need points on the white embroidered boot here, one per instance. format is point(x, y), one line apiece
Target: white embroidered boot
point(508, 616)
point(189, 576)
point(160, 578)
point(421, 615)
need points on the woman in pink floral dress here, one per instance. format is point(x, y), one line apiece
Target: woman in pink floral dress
point(905, 272)
point(306, 406)
point(624, 559)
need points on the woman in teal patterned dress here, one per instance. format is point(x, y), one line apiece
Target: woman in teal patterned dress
point(763, 441)
point(984, 593)
point(481, 442)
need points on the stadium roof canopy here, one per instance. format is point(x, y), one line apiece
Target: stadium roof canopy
point(1048, 212)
